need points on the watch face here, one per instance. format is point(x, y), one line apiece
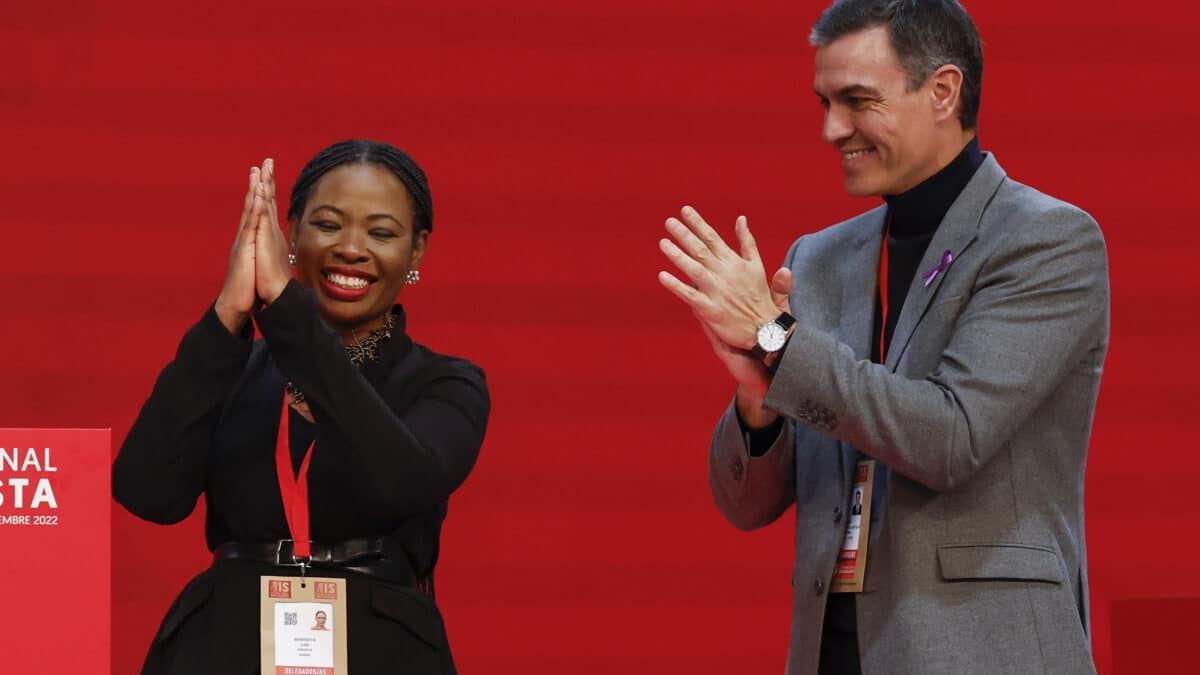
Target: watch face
point(771, 337)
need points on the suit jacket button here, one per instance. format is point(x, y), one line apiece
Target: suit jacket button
point(738, 469)
point(837, 514)
point(819, 586)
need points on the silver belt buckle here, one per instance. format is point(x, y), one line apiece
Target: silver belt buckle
point(302, 563)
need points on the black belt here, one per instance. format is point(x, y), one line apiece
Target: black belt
point(380, 557)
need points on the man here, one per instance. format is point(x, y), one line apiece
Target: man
point(954, 336)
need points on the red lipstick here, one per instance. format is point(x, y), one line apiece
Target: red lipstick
point(344, 293)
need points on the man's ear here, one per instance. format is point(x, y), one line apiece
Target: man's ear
point(945, 88)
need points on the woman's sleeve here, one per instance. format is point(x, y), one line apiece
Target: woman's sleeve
point(159, 472)
point(402, 462)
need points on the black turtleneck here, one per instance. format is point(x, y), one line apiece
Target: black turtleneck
point(914, 217)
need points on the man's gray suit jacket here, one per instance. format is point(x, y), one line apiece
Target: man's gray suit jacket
point(981, 413)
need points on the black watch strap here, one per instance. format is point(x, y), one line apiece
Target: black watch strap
point(785, 321)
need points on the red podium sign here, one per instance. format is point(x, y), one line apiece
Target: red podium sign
point(55, 550)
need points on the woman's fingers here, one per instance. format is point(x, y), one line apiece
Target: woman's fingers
point(268, 172)
point(250, 191)
point(270, 209)
point(243, 243)
point(237, 298)
point(272, 271)
point(254, 223)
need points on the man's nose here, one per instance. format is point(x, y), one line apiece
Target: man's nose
point(836, 126)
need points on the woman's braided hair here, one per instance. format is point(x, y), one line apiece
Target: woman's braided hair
point(362, 151)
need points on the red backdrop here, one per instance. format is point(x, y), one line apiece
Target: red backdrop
point(557, 137)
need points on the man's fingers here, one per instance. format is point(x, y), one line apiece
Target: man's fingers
point(704, 231)
point(746, 240)
point(688, 241)
point(781, 287)
point(689, 295)
point(781, 281)
point(694, 270)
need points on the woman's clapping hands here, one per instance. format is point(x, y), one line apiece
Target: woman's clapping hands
point(258, 265)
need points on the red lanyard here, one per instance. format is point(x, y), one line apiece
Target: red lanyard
point(883, 290)
point(293, 489)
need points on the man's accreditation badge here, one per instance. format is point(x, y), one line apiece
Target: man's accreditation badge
point(852, 559)
point(303, 626)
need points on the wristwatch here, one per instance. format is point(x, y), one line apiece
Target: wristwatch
point(772, 336)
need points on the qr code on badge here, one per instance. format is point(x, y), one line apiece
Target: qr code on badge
point(289, 618)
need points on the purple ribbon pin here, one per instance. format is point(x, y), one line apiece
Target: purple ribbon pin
point(929, 276)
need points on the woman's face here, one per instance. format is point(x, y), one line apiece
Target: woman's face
point(354, 244)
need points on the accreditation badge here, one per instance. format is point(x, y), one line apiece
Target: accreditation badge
point(303, 626)
point(852, 559)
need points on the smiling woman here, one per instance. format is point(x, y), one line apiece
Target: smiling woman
point(356, 243)
point(358, 232)
point(347, 475)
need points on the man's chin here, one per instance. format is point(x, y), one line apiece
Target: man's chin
point(858, 186)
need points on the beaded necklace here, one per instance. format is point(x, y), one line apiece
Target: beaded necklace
point(366, 349)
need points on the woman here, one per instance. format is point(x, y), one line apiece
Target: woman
point(396, 426)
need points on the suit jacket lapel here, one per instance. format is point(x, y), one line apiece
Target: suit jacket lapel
point(859, 274)
point(955, 233)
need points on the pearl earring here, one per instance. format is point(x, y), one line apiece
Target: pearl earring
point(292, 259)
point(412, 277)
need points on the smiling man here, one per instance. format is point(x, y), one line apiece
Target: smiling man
point(939, 354)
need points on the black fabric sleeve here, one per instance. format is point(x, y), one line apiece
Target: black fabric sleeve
point(759, 441)
point(403, 462)
point(159, 472)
